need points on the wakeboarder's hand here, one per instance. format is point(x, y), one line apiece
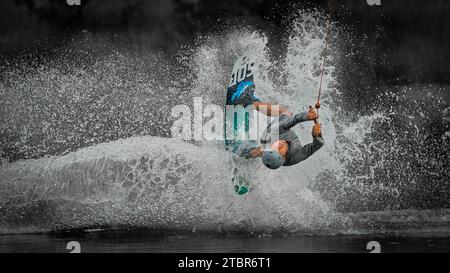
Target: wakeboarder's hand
point(316, 130)
point(311, 115)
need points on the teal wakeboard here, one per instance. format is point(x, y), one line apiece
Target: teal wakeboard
point(237, 120)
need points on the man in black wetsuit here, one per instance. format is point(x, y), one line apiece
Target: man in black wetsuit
point(280, 145)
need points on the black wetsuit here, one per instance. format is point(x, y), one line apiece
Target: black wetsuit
point(279, 129)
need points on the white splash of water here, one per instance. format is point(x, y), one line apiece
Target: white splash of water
point(170, 184)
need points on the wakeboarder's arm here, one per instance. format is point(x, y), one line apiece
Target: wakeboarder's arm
point(251, 152)
point(307, 150)
point(256, 152)
point(294, 120)
point(302, 153)
point(271, 110)
point(297, 118)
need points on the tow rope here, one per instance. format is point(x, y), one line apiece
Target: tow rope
point(327, 31)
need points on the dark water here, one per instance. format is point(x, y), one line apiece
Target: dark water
point(121, 241)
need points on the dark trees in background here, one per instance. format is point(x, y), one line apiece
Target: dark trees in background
point(412, 46)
